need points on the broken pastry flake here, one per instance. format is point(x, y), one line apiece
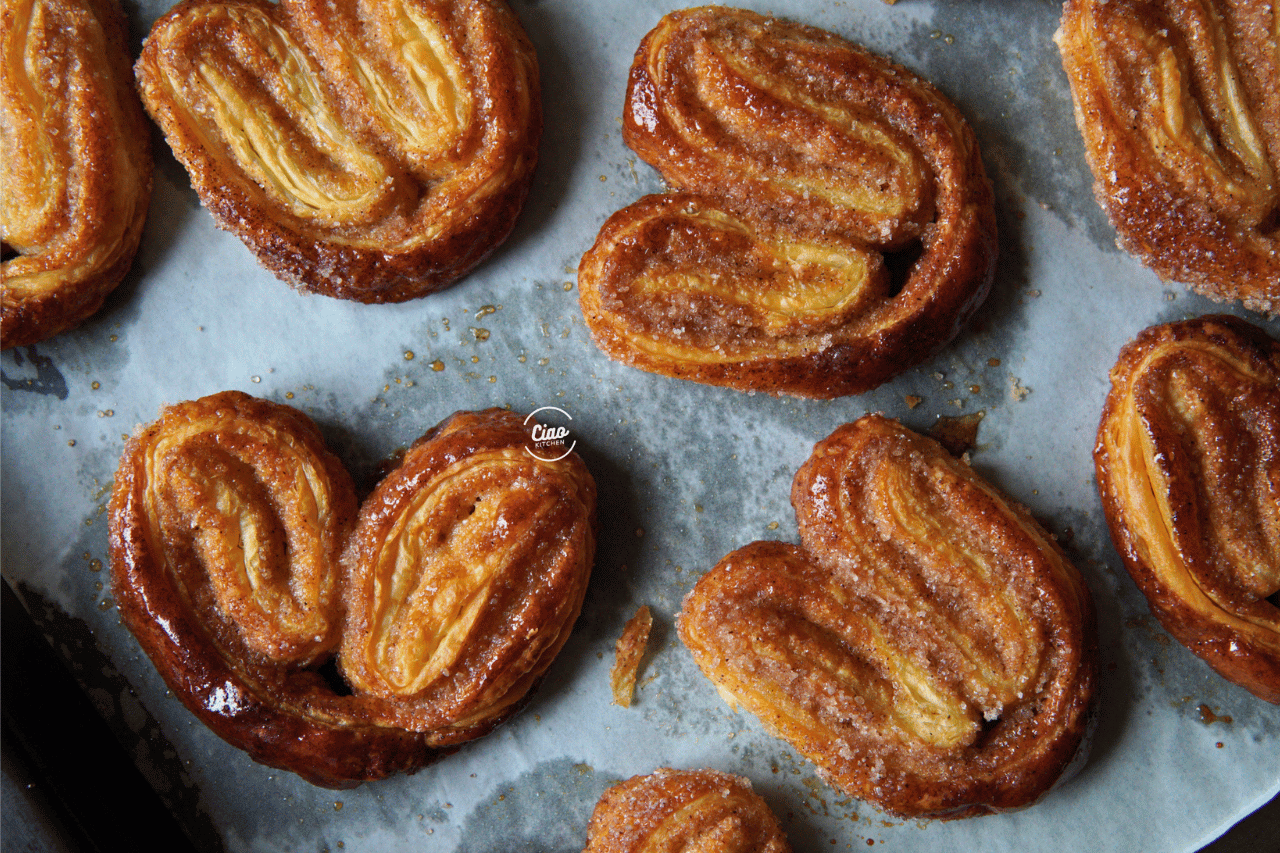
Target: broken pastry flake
point(630, 650)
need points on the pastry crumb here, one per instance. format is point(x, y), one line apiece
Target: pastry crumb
point(630, 649)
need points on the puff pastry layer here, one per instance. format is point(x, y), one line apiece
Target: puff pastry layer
point(1188, 464)
point(684, 810)
point(241, 565)
point(1179, 105)
point(830, 222)
point(373, 150)
point(929, 647)
point(75, 176)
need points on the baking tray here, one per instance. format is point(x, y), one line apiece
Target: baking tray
point(686, 473)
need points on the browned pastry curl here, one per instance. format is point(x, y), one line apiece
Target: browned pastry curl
point(1188, 464)
point(229, 522)
point(929, 646)
point(831, 223)
point(75, 172)
point(1179, 105)
point(373, 150)
point(684, 811)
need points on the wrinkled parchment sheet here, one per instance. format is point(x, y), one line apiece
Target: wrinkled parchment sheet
point(686, 473)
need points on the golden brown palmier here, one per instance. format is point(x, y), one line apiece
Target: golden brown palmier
point(1188, 464)
point(1179, 105)
point(373, 150)
point(75, 175)
point(465, 575)
point(805, 169)
point(235, 564)
point(684, 810)
point(929, 646)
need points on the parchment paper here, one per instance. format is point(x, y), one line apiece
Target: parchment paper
point(686, 473)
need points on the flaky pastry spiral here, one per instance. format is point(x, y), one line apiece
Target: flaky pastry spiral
point(240, 564)
point(1179, 105)
point(684, 811)
point(929, 647)
point(373, 150)
point(830, 225)
point(75, 167)
point(1188, 465)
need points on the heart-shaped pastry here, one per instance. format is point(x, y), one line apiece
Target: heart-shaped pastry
point(1188, 464)
point(240, 563)
point(929, 647)
point(1179, 105)
point(373, 150)
point(831, 223)
point(75, 173)
point(684, 811)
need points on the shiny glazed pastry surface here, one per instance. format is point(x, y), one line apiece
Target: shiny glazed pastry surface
point(75, 173)
point(373, 150)
point(830, 222)
point(1188, 464)
point(928, 646)
point(243, 563)
point(684, 810)
point(1179, 105)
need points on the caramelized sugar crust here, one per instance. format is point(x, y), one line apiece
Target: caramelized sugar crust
point(373, 150)
point(929, 647)
point(241, 565)
point(75, 175)
point(830, 222)
point(1188, 463)
point(684, 810)
point(1179, 105)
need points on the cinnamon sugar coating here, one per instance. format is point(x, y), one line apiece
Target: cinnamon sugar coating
point(928, 646)
point(1188, 465)
point(373, 150)
point(830, 222)
point(242, 562)
point(75, 175)
point(1179, 105)
point(684, 810)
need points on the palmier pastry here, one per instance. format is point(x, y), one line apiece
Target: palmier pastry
point(1188, 464)
point(929, 647)
point(830, 225)
point(1179, 105)
point(241, 566)
point(75, 175)
point(684, 811)
point(373, 150)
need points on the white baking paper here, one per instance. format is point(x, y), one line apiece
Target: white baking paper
point(686, 473)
